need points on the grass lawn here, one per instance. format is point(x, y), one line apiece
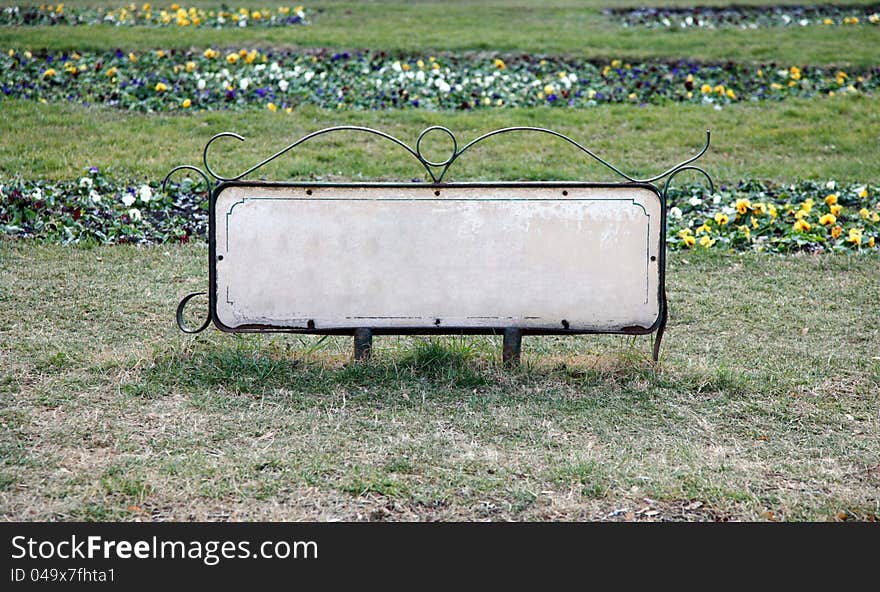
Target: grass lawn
point(764, 404)
point(558, 27)
point(821, 138)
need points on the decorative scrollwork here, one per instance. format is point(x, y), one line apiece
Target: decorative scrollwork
point(181, 324)
point(437, 169)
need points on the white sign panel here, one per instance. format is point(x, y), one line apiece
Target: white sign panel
point(534, 256)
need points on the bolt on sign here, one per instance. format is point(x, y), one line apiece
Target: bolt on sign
point(368, 259)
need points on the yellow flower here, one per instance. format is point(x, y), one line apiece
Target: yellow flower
point(831, 199)
point(405, 67)
point(232, 58)
point(186, 104)
point(719, 89)
point(730, 94)
point(703, 229)
point(828, 220)
point(272, 107)
point(855, 236)
point(111, 72)
point(190, 66)
point(827, 21)
point(49, 73)
point(795, 72)
point(808, 205)
point(745, 230)
point(775, 86)
point(835, 232)
point(132, 57)
point(801, 226)
point(160, 54)
point(210, 53)
point(249, 58)
point(759, 208)
point(863, 193)
point(836, 209)
point(175, 7)
point(871, 242)
point(548, 90)
point(689, 241)
point(801, 214)
point(864, 213)
point(706, 242)
point(721, 219)
point(772, 209)
point(705, 89)
point(684, 232)
point(161, 87)
point(743, 205)
point(615, 63)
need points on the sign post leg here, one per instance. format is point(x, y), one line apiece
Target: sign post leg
point(511, 347)
point(662, 328)
point(363, 344)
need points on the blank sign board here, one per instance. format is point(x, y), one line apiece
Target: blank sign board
point(541, 257)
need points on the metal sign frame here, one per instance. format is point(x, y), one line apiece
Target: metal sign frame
point(436, 171)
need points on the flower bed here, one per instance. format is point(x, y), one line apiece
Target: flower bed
point(745, 17)
point(146, 15)
point(806, 216)
point(282, 80)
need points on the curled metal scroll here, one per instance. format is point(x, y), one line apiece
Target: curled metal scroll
point(437, 170)
point(181, 324)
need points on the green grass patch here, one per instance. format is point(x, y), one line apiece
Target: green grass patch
point(819, 139)
point(765, 400)
point(559, 27)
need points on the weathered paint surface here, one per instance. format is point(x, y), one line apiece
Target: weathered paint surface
point(472, 257)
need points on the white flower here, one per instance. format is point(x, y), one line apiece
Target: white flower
point(128, 199)
point(309, 75)
point(145, 193)
point(95, 197)
point(830, 185)
point(134, 214)
point(695, 201)
point(86, 182)
point(37, 194)
point(282, 85)
point(396, 67)
point(716, 199)
point(442, 85)
point(420, 76)
point(675, 213)
point(244, 83)
point(201, 84)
